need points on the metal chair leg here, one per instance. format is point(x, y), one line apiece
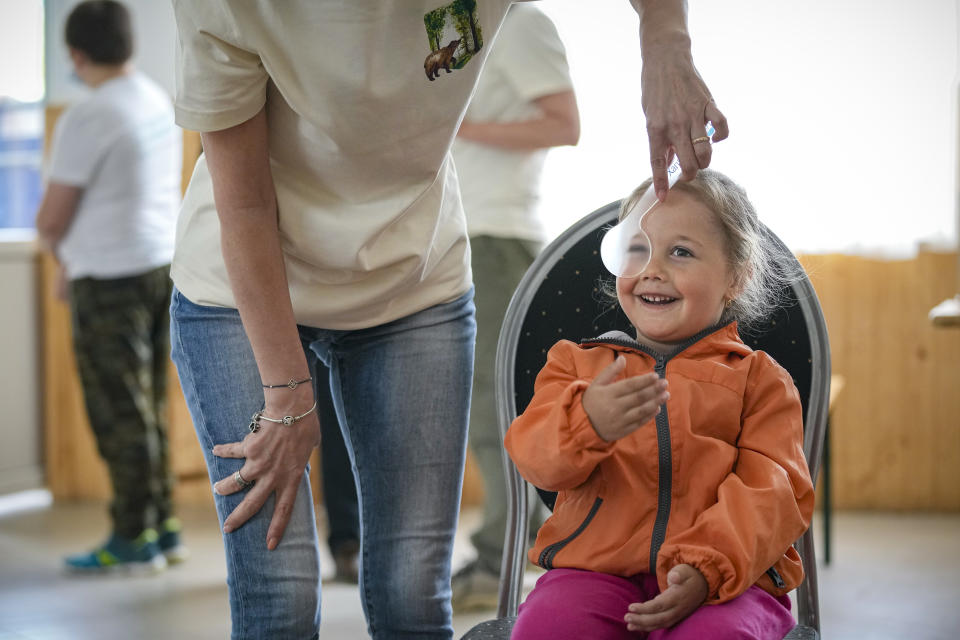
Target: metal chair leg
point(827, 497)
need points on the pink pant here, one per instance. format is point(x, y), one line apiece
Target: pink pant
point(574, 604)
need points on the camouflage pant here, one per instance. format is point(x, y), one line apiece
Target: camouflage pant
point(121, 338)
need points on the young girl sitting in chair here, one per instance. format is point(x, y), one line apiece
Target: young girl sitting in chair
point(677, 453)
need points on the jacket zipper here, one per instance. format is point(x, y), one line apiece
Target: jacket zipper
point(550, 551)
point(664, 474)
point(775, 576)
point(664, 453)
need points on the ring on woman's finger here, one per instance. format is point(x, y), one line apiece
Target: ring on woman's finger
point(700, 139)
point(241, 481)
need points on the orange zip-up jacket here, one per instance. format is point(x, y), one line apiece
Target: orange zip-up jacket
point(717, 480)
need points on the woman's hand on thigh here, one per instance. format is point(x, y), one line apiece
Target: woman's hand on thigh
point(276, 456)
point(686, 591)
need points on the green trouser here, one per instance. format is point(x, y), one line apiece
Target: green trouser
point(121, 338)
point(498, 266)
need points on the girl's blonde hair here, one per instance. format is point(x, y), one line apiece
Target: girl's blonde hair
point(760, 266)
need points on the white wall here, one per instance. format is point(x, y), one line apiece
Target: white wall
point(842, 115)
point(22, 21)
point(21, 454)
point(154, 46)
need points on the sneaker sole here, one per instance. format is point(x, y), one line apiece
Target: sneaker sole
point(176, 555)
point(151, 567)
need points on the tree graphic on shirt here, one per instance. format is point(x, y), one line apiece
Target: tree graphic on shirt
point(460, 16)
point(464, 14)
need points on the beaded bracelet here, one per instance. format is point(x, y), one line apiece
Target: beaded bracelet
point(291, 384)
point(254, 425)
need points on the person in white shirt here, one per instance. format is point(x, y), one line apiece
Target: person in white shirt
point(323, 223)
point(524, 105)
point(108, 215)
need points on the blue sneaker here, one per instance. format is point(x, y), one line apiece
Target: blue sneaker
point(169, 541)
point(141, 555)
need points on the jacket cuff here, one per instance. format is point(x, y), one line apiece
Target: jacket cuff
point(702, 562)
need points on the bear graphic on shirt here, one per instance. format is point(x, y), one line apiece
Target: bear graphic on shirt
point(454, 36)
point(442, 58)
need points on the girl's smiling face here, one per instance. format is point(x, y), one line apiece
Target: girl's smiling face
point(683, 289)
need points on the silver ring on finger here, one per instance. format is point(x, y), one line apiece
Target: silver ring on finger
point(242, 482)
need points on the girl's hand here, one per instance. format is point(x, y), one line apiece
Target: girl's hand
point(618, 408)
point(686, 591)
point(276, 456)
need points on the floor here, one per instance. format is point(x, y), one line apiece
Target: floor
point(892, 576)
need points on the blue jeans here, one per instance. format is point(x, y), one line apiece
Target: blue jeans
point(401, 392)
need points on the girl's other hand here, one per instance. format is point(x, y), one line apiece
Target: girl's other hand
point(686, 591)
point(618, 408)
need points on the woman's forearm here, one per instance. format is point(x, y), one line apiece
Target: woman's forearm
point(251, 252)
point(663, 25)
point(250, 242)
point(677, 105)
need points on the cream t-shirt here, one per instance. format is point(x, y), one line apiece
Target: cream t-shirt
point(371, 224)
point(500, 188)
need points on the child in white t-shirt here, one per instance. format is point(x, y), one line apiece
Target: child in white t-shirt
point(108, 215)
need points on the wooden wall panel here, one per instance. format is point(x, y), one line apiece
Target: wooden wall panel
point(192, 148)
point(896, 426)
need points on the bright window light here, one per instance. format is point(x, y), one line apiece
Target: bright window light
point(21, 49)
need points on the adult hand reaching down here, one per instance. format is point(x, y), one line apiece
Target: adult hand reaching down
point(676, 101)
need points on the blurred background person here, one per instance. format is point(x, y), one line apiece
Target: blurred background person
point(524, 105)
point(108, 215)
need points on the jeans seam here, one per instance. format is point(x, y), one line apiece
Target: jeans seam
point(364, 561)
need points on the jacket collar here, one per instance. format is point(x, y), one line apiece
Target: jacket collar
point(720, 338)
